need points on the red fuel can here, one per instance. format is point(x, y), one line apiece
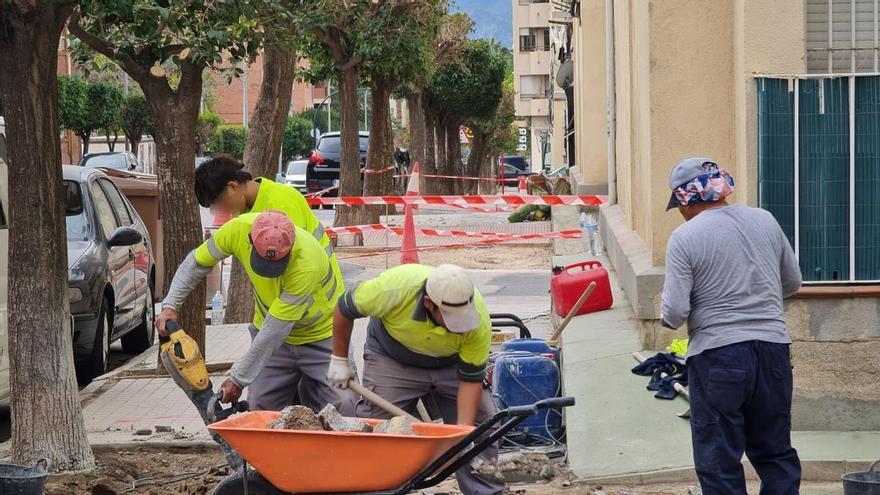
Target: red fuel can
point(568, 283)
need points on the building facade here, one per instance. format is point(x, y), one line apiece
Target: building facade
point(785, 95)
point(540, 103)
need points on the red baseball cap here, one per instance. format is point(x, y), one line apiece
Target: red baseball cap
point(272, 236)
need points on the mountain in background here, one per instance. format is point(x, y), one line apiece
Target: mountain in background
point(492, 19)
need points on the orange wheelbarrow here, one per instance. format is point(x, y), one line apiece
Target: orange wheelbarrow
point(298, 462)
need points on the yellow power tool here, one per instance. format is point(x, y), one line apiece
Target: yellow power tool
point(185, 364)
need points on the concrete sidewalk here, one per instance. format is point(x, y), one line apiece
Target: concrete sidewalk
point(618, 431)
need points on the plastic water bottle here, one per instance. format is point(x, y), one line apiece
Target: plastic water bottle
point(217, 309)
point(585, 232)
point(595, 240)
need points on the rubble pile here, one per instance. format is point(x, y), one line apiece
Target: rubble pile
point(302, 418)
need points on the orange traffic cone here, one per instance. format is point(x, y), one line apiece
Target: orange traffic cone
point(412, 188)
point(523, 187)
point(408, 245)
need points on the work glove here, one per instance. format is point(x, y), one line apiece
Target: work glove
point(339, 373)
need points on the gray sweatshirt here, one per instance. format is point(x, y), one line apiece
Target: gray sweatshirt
point(727, 272)
point(264, 343)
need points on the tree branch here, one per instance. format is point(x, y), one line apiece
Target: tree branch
point(136, 71)
point(352, 63)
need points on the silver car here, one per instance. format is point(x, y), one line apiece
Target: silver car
point(296, 175)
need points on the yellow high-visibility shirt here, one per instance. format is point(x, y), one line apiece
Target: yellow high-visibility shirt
point(396, 297)
point(305, 294)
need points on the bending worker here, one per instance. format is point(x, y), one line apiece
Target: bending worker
point(429, 334)
point(294, 294)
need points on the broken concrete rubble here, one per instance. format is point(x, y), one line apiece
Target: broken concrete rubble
point(517, 467)
point(398, 425)
point(296, 418)
point(333, 421)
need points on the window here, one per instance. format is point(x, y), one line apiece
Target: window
point(104, 211)
point(117, 202)
point(534, 86)
point(526, 40)
point(74, 214)
point(819, 172)
point(534, 39)
point(842, 36)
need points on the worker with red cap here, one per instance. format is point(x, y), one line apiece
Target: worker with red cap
point(295, 293)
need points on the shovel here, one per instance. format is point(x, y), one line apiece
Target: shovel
point(378, 401)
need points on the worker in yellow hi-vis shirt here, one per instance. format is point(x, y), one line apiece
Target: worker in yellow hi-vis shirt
point(222, 183)
point(295, 293)
point(429, 334)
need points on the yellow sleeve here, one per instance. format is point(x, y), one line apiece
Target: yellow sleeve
point(372, 298)
point(219, 246)
point(297, 295)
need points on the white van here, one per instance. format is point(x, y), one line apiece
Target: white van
point(4, 267)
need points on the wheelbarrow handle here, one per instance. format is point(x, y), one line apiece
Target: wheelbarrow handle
point(475, 443)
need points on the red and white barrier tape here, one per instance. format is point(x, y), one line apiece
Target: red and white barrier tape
point(461, 200)
point(485, 242)
point(382, 171)
point(321, 192)
point(457, 177)
point(361, 229)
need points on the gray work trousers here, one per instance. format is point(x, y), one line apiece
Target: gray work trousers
point(297, 375)
point(404, 385)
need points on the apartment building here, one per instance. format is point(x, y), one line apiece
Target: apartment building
point(540, 103)
point(785, 95)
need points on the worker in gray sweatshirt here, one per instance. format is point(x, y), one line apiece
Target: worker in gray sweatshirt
point(728, 269)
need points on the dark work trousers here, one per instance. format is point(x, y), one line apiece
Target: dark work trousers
point(741, 402)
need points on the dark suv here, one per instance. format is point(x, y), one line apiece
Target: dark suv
point(323, 168)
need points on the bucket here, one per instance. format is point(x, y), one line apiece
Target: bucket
point(862, 483)
point(24, 480)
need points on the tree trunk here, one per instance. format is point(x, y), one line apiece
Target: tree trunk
point(175, 115)
point(475, 162)
point(350, 162)
point(86, 138)
point(417, 126)
point(261, 158)
point(440, 185)
point(453, 156)
point(135, 143)
point(47, 419)
point(380, 152)
point(430, 165)
point(111, 143)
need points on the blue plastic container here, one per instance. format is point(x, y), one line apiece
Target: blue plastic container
point(523, 378)
point(535, 346)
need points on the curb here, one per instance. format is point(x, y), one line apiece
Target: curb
point(812, 470)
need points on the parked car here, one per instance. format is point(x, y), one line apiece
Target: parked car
point(518, 162)
point(512, 172)
point(118, 160)
point(4, 266)
point(296, 175)
point(323, 167)
point(111, 270)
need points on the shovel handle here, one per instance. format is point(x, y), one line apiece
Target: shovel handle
point(574, 309)
point(379, 401)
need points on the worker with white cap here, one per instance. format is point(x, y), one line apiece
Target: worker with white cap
point(295, 291)
point(429, 335)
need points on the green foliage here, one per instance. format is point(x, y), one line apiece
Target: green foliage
point(297, 140)
point(202, 35)
point(472, 87)
point(136, 120)
point(72, 93)
point(105, 106)
point(87, 107)
point(206, 129)
point(229, 139)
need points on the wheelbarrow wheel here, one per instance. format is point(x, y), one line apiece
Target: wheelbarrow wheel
point(257, 485)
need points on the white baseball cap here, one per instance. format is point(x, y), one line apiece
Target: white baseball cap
point(452, 291)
